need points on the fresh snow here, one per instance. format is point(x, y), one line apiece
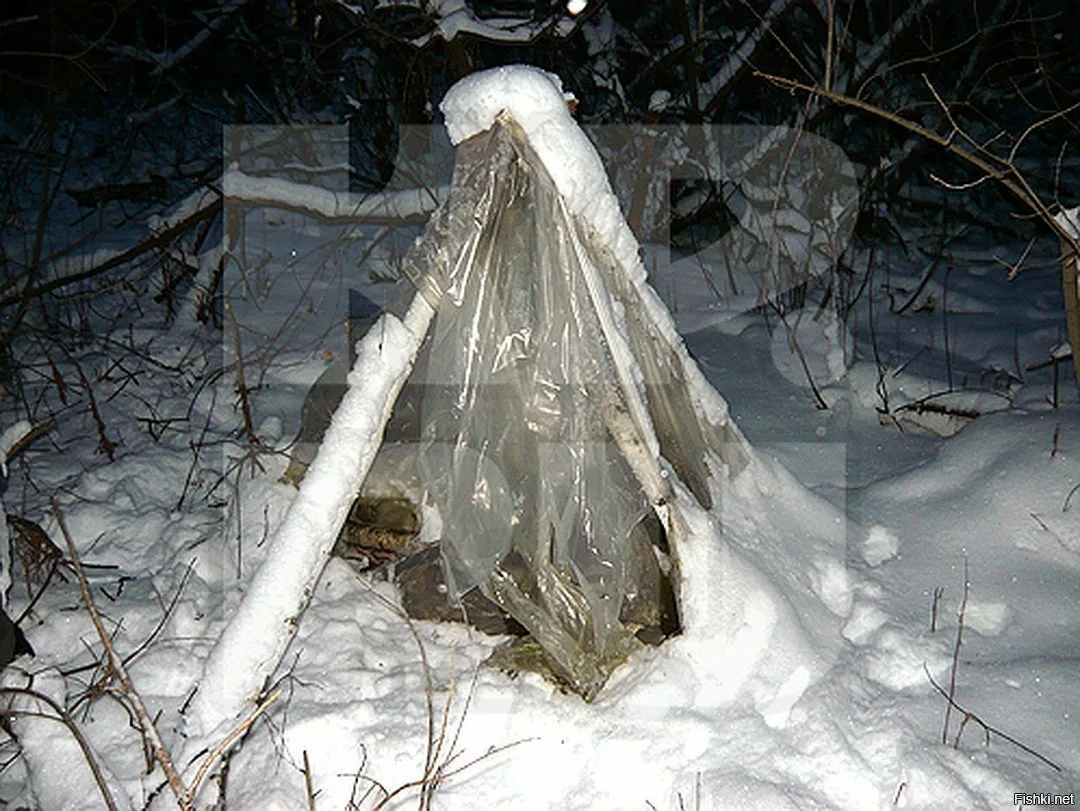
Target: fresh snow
point(535, 100)
point(803, 680)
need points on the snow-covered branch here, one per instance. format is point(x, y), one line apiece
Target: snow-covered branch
point(392, 207)
point(455, 17)
point(252, 645)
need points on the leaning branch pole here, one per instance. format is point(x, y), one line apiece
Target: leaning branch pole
point(252, 644)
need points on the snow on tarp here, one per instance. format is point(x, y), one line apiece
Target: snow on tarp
point(759, 609)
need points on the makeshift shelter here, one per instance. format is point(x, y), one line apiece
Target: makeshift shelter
point(528, 392)
point(548, 419)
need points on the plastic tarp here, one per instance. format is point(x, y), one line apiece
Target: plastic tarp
point(549, 413)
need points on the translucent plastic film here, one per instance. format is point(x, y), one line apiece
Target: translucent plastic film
point(520, 417)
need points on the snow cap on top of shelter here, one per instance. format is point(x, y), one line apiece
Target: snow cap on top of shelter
point(531, 96)
point(537, 103)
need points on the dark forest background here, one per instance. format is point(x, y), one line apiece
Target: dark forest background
point(114, 111)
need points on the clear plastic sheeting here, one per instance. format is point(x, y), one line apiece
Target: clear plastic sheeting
point(552, 416)
point(523, 420)
point(542, 380)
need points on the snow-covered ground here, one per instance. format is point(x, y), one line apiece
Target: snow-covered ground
point(372, 705)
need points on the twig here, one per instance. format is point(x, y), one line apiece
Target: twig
point(881, 387)
point(1066, 545)
point(938, 591)
point(196, 448)
point(830, 45)
point(41, 590)
point(307, 784)
point(161, 754)
point(1040, 123)
point(105, 445)
point(35, 431)
point(931, 267)
point(793, 344)
point(968, 714)
point(1070, 279)
point(225, 743)
point(241, 384)
point(956, 655)
point(1006, 174)
point(165, 616)
point(1017, 266)
point(353, 805)
point(161, 238)
point(1065, 506)
point(435, 772)
point(960, 732)
point(945, 325)
point(440, 772)
point(431, 752)
point(420, 782)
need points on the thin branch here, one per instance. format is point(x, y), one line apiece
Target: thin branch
point(1007, 174)
point(208, 29)
point(938, 592)
point(956, 654)
point(1040, 123)
point(35, 431)
point(951, 186)
point(308, 792)
point(944, 108)
point(161, 754)
point(240, 730)
point(713, 88)
point(830, 45)
point(242, 390)
point(446, 775)
point(105, 445)
point(987, 727)
point(165, 616)
point(156, 241)
point(65, 718)
point(1014, 269)
point(869, 61)
point(1065, 506)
